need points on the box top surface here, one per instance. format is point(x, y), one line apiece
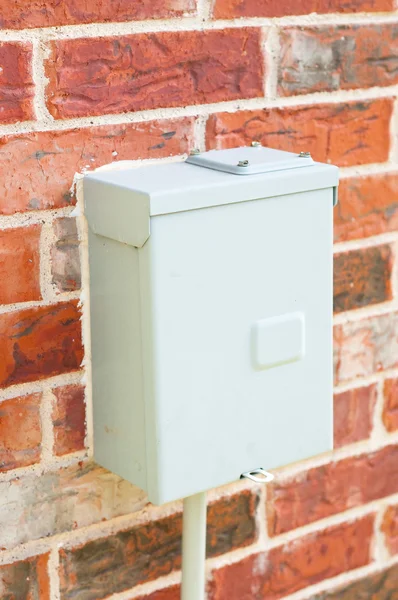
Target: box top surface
point(181, 186)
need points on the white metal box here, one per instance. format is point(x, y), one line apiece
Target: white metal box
point(211, 317)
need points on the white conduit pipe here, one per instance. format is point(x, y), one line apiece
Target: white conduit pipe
point(194, 547)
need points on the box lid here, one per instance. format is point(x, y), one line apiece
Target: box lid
point(120, 203)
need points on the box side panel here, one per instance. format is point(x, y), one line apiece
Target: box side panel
point(222, 277)
point(119, 428)
point(148, 291)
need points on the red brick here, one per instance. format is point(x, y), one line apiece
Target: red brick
point(26, 579)
point(390, 529)
point(16, 83)
point(297, 564)
point(353, 415)
point(390, 408)
point(69, 419)
point(65, 258)
point(37, 169)
point(230, 9)
point(20, 264)
point(376, 586)
point(330, 489)
point(365, 347)
point(146, 71)
point(345, 134)
point(40, 342)
point(148, 551)
point(362, 277)
point(170, 593)
point(59, 501)
point(367, 206)
point(314, 59)
point(20, 432)
point(21, 14)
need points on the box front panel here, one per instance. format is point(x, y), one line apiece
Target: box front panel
point(242, 339)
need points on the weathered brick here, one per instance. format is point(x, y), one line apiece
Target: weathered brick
point(69, 419)
point(20, 264)
point(22, 14)
point(367, 206)
point(390, 529)
point(170, 593)
point(345, 134)
point(362, 277)
point(296, 565)
point(390, 408)
point(330, 489)
point(26, 579)
point(40, 342)
point(65, 258)
point(16, 83)
point(37, 169)
point(33, 507)
point(230, 9)
point(314, 59)
point(353, 415)
point(376, 586)
point(20, 432)
point(109, 565)
point(107, 75)
point(365, 347)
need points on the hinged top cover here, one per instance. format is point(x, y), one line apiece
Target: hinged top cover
point(251, 160)
point(119, 203)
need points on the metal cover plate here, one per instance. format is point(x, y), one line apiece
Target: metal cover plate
point(258, 159)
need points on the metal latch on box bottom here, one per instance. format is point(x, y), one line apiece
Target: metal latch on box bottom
point(258, 475)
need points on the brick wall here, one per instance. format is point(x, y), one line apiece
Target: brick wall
point(87, 83)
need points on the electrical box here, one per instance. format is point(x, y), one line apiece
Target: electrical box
point(211, 317)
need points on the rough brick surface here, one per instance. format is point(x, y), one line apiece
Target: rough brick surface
point(362, 277)
point(117, 563)
point(107, 75)
point(25, 580)
point(49, 13)
point(390, 408)
point(390, 529)
point(171, 593)
point(296, 565)
point(353, 415)
point(330, 489)
point(37, 169)
point(229, 9)
point(20, 432)
point(367, 206)
point(344, 134)
point(377, 586)
point(69, 419)
point(40, 342)
point(364, 347)
point(65, 258)
point(20, 264)
point(16, 83)
point(315, 59)
point(34, 507)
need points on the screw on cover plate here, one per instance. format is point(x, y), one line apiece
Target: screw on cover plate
point(304, 155)
point(194, 152)
point(243, 163)
point(256, 144)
